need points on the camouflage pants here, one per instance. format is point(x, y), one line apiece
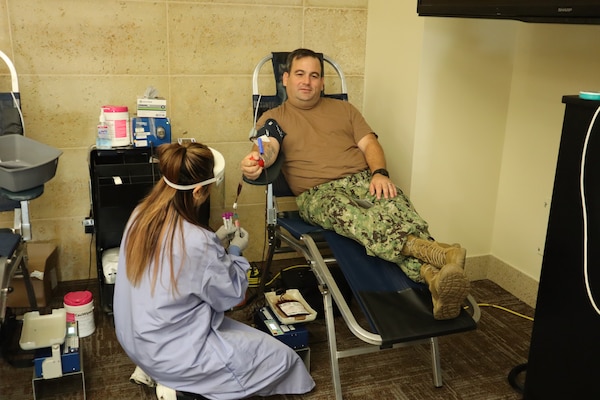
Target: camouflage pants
point(382, 229)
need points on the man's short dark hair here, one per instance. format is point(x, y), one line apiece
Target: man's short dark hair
point(301, 53)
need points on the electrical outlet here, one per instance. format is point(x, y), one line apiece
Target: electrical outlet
point(88, 225)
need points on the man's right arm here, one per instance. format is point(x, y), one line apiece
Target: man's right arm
point(250, 165)
point(265, 150)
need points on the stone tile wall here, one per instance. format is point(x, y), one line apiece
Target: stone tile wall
point(73, 56)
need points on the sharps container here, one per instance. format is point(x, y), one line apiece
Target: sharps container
point(117, 121)
point(81, 306)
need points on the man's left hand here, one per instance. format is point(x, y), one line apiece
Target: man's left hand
point(382, 186)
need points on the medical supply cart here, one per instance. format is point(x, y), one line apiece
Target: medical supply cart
point(120, 178)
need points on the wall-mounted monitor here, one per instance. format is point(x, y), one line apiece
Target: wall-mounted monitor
point(549, 11)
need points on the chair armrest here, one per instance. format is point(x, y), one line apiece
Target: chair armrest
point(270, 174)
point(273, 176)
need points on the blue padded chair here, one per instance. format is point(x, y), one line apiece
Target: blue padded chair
point(13, 243)
point(398, 311)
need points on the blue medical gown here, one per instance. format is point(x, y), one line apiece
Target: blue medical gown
point(184, 341)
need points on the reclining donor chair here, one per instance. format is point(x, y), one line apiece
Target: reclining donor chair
point(398, 311)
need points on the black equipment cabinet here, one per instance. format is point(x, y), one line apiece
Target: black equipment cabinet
point(120, 179)
point(565, 344)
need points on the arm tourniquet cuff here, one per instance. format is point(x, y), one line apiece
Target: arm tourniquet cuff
point(271, 129)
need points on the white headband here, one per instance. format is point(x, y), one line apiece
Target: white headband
point(218, 171)
point(189, 187)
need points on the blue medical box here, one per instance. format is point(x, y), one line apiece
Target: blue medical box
point(295, 336)
point(150, 132)
point(70, 362)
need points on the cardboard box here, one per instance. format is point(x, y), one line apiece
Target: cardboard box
point(42, 265)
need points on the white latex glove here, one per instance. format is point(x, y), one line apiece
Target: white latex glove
point(240, 239)
point(224, 233)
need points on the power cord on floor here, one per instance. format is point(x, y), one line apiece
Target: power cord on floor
point(505, 309)
point(269, 283)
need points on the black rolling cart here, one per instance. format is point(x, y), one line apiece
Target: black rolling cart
point(565, 345)
point(120, 178)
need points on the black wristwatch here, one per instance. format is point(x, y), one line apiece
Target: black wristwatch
point(381, 171)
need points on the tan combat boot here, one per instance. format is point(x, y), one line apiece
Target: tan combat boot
point(434, 253)
point(448, 286)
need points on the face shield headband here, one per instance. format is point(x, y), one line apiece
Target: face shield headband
point(218, 172)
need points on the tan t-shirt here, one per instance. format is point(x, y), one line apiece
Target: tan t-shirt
point(321, 143)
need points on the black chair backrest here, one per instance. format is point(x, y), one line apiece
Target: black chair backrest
point(10, 119)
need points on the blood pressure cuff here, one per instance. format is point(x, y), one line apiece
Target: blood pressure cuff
point(271, 129)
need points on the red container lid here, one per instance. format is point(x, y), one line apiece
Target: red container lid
point(115, 109)
point(78, 298)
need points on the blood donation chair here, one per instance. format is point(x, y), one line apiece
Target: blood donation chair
point(398, 311)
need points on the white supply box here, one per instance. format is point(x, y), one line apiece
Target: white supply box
point(153, 108)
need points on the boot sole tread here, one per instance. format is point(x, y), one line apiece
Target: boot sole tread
point(452, 288)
